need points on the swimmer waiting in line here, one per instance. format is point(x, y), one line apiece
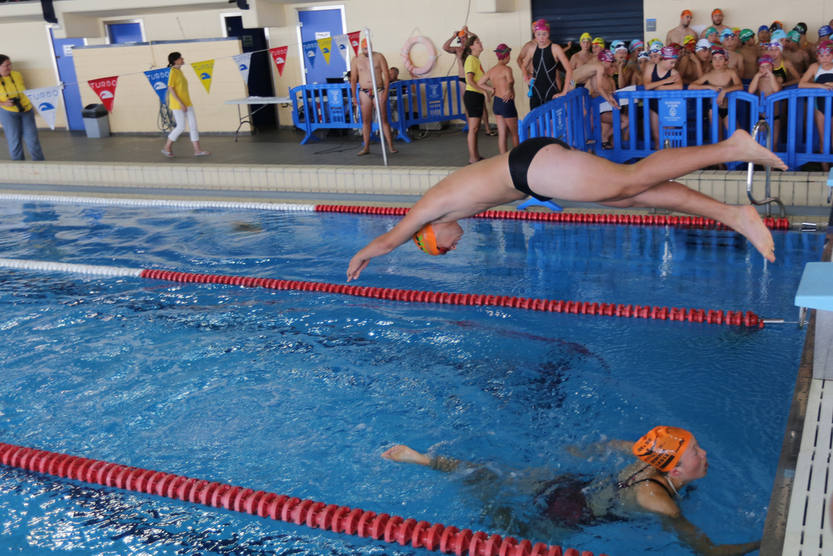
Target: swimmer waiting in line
point(670, 458)
point(548, 168)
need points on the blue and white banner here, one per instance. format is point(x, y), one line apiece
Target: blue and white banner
point(159, 81)
point(310, 47)
point(342, 43)
point(45, 100)
point(243, 62)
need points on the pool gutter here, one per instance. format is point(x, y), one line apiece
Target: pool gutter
point(775, 527)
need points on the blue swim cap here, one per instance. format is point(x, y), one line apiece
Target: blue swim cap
point(616, 44)
point(778, 34)
point(763, 28)
point(825, 31)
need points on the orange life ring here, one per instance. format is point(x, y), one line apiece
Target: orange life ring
point(406, 55)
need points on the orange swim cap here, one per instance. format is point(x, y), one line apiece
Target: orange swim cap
point(662, 447)
point(427, 241)
point(364, 43)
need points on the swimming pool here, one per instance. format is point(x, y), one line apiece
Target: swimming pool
point(299, 393)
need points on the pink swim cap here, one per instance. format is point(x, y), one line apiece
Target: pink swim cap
point(669, 53)
point(605, 55)
point(540, 25)
point(766, 60)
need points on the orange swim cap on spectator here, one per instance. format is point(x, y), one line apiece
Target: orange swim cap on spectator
point(427, 241)
point(662, 447)
point(686, 12)
point(717, 11)
point(364, 43)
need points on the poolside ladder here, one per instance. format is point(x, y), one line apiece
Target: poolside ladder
point(763, 127)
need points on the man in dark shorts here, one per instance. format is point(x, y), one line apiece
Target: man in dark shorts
point(540, 61)
point(547, 168)
point(668, 458)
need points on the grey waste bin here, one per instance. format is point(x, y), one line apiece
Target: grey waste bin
point(96, 122)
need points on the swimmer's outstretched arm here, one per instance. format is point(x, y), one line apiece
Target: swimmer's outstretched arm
point(701, 543)
point(404, 454)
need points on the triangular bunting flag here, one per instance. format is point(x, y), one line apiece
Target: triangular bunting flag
point(309, 51)
point(243, 61)
point(105, 88)
point(325, 44)
point(342, 42)
point(45, 100)
point(204, 70)
point(159, 81)
point(279, 56)
point(354, 41)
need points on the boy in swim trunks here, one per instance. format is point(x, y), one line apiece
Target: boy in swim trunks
point(668, 458)
point(503, 93)
point(720, 79)
point(546, 168)
point(360, 71)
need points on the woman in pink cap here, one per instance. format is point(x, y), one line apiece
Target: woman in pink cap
point(540, 61)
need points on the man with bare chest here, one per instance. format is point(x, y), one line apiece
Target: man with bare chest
point(360, 71)
point(679, 33)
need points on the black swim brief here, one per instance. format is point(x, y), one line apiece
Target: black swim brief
point(521, 157)
point(505, 109)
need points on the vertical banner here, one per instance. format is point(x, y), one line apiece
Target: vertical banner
point(204, 70)
point(45, 100)
point(279, 56)
point(434, 99)
point(159, 81)
point(105, 88)
point(309, 51)
point(325, 44)
point(242, 61)
point(342, 42)
point(354, 41)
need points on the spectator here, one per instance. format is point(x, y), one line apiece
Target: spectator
point(750, 52)
point(820, 76)
point(179, 102)
point(460, 37)
point(722, 80)
point(731, 44)
point(474, 97)
point(17, 115)
point(539, 61)
point(362, 71)
point(503, 92)
point(717, 23)
point(584, 55)
point(678, 33)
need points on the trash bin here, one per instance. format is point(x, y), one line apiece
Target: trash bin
point(96, 122)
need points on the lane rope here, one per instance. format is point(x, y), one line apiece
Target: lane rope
point(318, 515)
point(708, 316)
point(697, 222)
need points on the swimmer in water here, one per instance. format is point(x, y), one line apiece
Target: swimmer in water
point(548, 168)
point(669, 458)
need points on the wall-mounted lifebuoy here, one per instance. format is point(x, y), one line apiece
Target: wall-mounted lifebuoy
point(406, 55)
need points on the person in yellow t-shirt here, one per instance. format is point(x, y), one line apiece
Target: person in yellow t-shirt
point(474, 98)
point(179, 101)
point(17, 116)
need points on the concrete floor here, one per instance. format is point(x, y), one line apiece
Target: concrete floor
point(283, 146)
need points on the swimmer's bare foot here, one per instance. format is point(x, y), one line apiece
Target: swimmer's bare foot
point(392, 149)
point(364, 151)
point(404, 454)
point(748, 222)
point(751, 151)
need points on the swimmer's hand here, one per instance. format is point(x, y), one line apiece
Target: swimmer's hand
point(357, 264)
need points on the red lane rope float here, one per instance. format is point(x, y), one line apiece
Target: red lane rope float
point(318, 515)
point(571, 217)
point(709, 316)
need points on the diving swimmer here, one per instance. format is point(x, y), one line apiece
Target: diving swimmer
point(669, 458)
point(548, 168)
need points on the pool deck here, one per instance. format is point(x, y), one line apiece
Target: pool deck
point(274, 167)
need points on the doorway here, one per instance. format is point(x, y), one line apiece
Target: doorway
point(319, 24)
point(260, 69)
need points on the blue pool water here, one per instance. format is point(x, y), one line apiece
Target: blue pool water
point(298, 393)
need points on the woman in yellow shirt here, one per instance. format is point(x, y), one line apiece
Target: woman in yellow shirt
point(474, 97)
point(17, 116)
point(180, 103)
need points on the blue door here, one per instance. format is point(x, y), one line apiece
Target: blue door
point(66, 73)
point(317, 24)
point(121, 33)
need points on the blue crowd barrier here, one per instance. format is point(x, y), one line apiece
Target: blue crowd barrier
point(796, 111)
point(409, 102)
point(562, 118)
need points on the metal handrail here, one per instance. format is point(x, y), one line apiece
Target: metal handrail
point(763, 126)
